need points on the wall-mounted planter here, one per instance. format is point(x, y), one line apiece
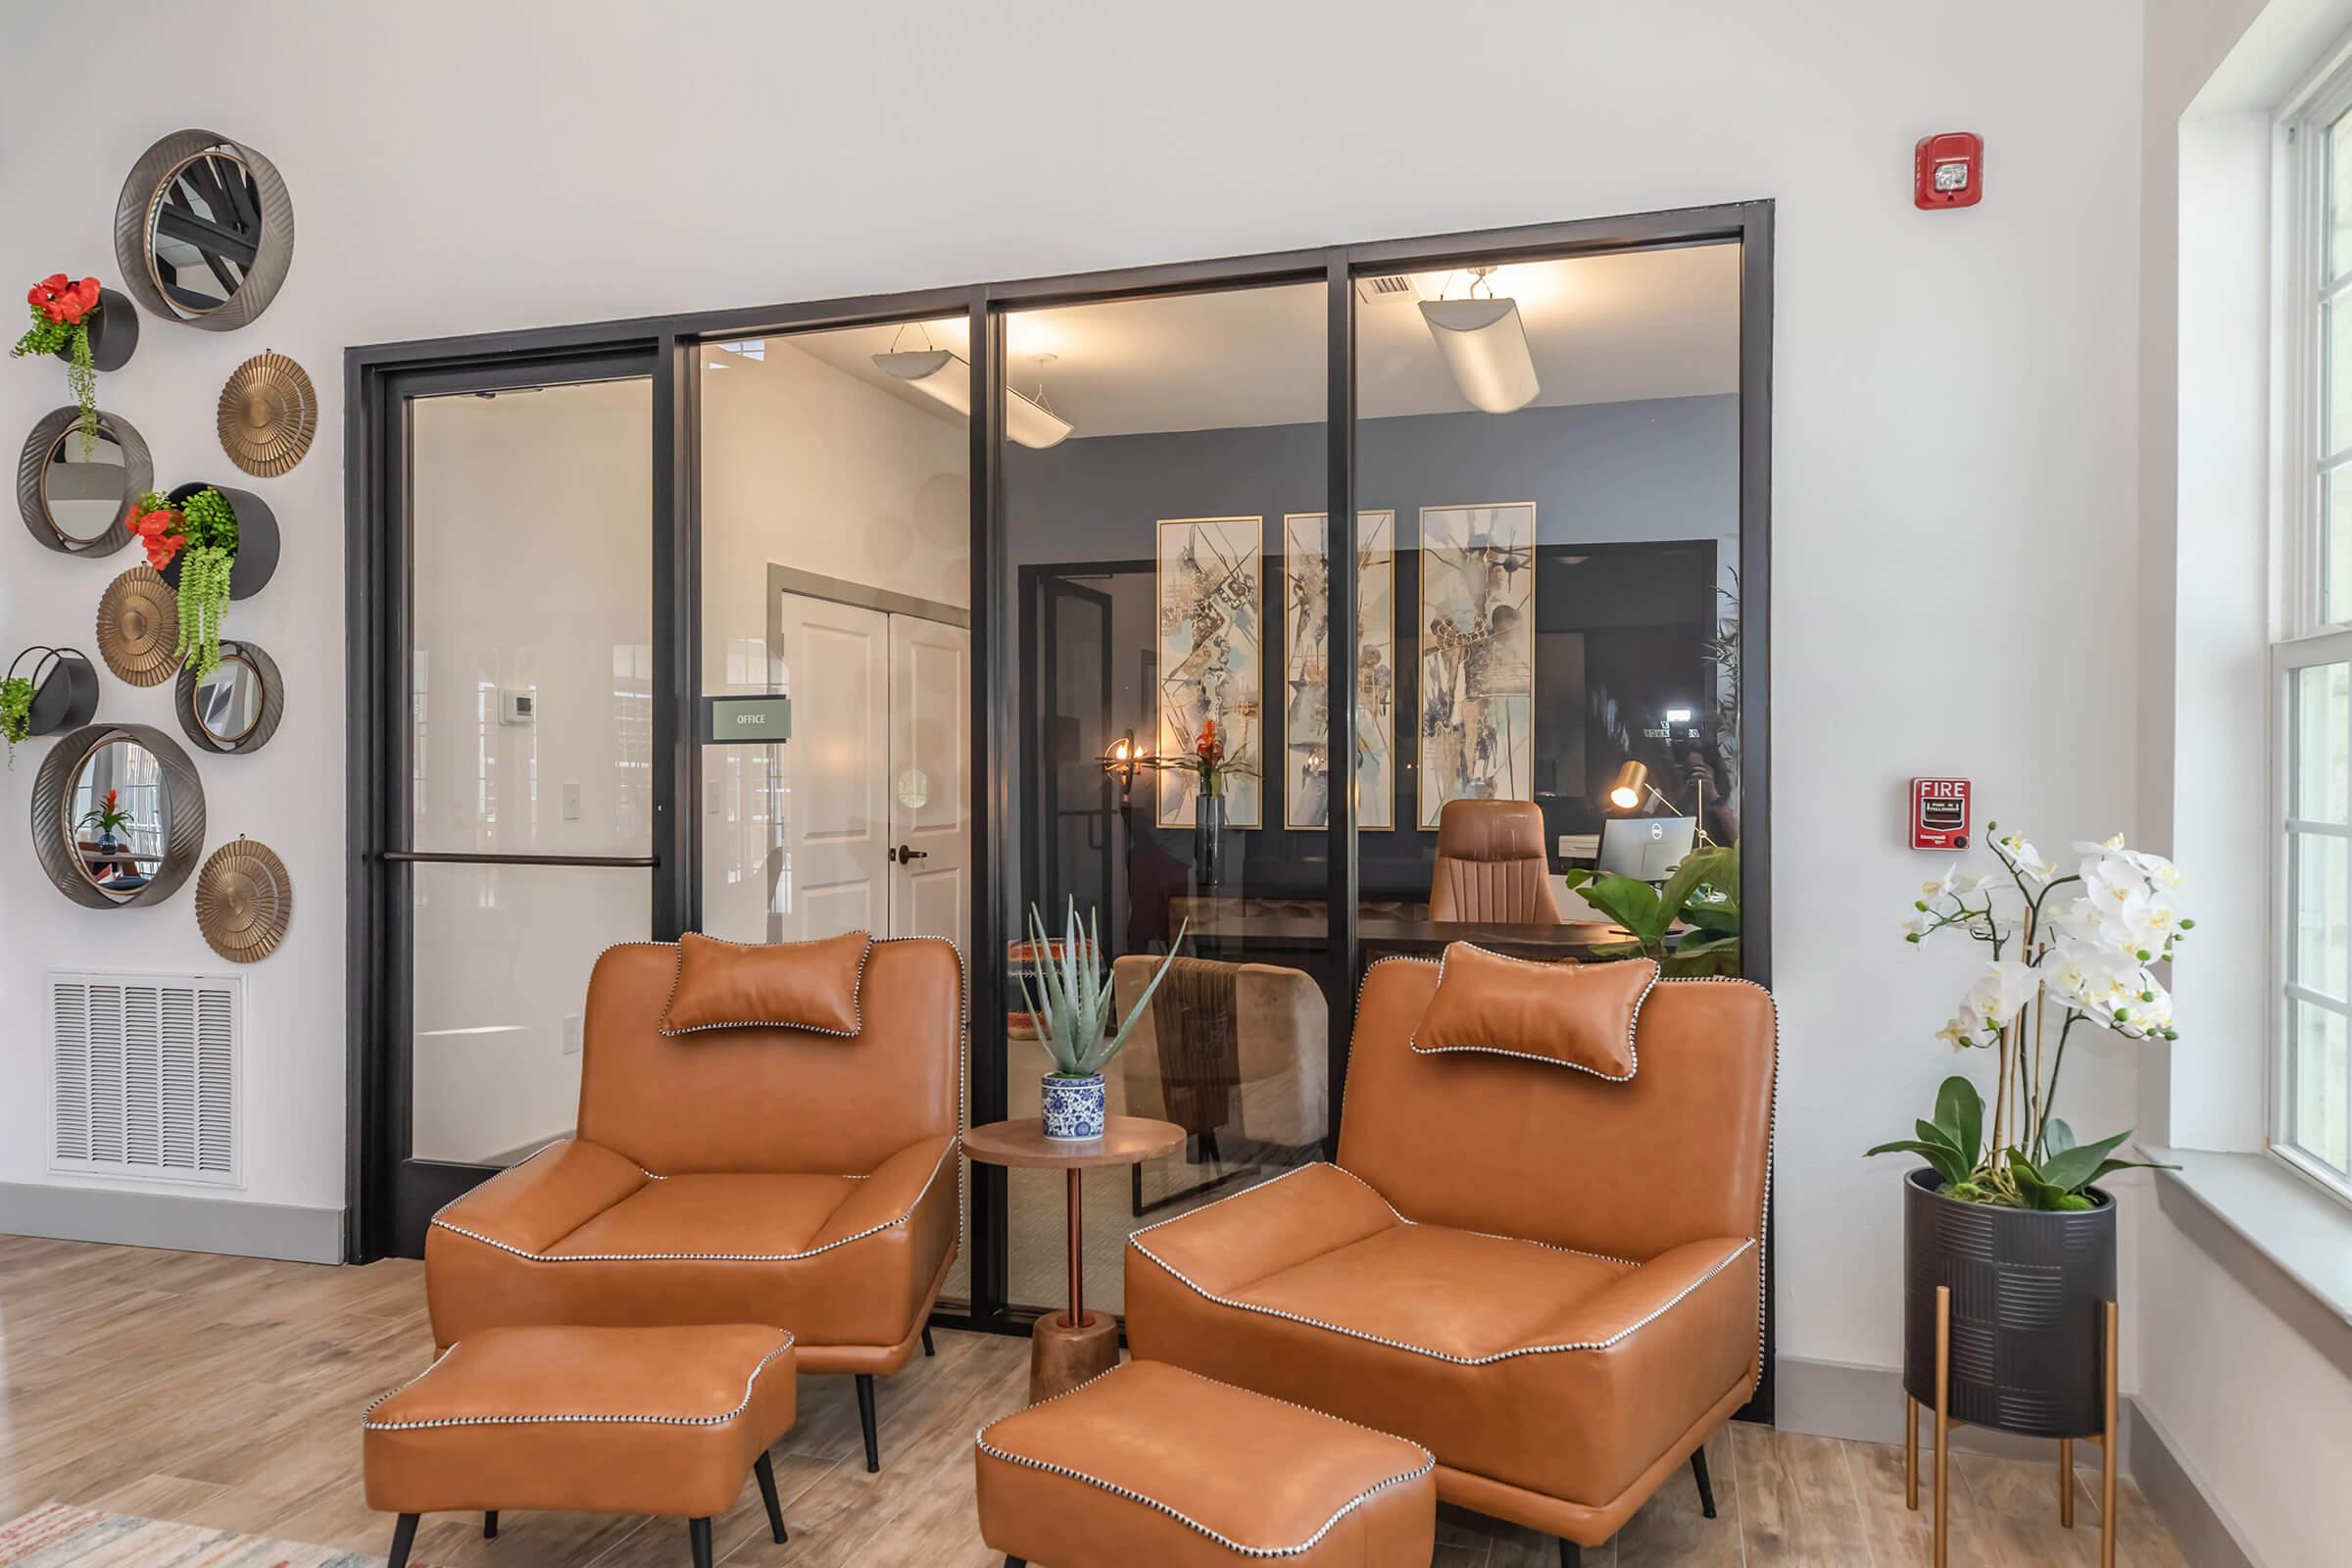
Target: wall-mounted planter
point(257, 539)
point(113, 331)
point(64, 689)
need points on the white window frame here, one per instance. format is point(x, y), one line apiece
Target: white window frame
point(2300, 638)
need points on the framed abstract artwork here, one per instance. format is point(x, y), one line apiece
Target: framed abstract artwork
point(1306, 702)
point(1477, 656)
point(1211, 598)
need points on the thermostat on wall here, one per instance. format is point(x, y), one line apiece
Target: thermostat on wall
point(517, 705)
point(1939, 813)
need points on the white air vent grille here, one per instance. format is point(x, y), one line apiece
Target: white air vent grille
point(1387, 288)
point(143, 1073)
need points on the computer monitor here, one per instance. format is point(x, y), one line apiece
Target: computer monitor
point(1646, 849)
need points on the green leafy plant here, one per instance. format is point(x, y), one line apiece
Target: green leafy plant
point(1953, 1142)
point(16, 712)
point(60, 320)
point(1075, 1027)
point(208, 524)
point(108, 816)
point(1703, 894)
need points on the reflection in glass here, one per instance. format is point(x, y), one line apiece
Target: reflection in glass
point(204, 231)
point(83, 493)
point(115, 815)
point(228, 701)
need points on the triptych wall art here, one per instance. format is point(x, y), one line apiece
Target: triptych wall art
point(1475, 675)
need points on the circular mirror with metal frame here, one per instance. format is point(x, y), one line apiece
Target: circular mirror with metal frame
point(236, 707)
point(79, 502)
point(204, 230)
point(118, 815)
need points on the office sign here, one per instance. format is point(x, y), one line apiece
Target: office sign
point(764, 720)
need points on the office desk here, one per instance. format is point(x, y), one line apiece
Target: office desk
point(1298, 925)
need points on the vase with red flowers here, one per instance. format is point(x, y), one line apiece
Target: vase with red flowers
point(107, 817)
point(1210, 767)
point(91, 329)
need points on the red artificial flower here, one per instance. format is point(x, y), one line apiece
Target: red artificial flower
point(1209, 749)
point(60, 299)
point(160, 530)
point(110, 800)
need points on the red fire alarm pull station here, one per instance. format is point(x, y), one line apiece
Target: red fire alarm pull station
point(1948, 171)
point(1939, 813)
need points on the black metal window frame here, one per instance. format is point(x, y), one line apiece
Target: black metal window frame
point(378, 377)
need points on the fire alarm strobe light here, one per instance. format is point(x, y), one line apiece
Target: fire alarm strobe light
point(1948, 171)
point(1939, 813)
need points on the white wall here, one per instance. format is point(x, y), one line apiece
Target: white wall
point(1954, 402)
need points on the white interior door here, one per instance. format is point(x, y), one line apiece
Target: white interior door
point(837, 814)
point(930, 779)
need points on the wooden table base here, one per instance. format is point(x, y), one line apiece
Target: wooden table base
point(1060, 1358)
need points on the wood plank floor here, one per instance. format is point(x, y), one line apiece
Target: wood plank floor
point(226, 1392)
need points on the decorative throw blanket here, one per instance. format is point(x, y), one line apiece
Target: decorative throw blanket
point(1193, 1019)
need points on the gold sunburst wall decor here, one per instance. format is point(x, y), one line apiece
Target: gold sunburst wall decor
point(138, 627)
point(269, 414)
point(244, 901)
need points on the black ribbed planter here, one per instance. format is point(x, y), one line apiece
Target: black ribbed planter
point(2029, 1290)
point(257, 540)
point(113, 331)
point(64, 689)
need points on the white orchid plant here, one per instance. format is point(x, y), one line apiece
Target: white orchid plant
point(2085, 943)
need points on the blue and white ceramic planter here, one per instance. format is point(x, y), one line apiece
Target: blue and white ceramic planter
point(1073, 1107)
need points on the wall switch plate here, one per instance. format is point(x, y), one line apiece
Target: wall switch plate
point(571, 1035)
point(711, 804)
point(571, 800)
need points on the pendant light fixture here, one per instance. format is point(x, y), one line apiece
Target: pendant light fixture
point(947, 376)
point(1485, 345)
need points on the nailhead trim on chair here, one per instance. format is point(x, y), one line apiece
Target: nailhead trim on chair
point(856, 991)
point(1428, 1462)
point(368, 1424)
point(1633, 1024)
point(954, 1144)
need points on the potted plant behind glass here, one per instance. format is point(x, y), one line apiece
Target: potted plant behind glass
point(106, 819)
point(2005, 1213)
point(1208, 764)
point(89, 328)
point(1703, 893)
point(1076, 1019)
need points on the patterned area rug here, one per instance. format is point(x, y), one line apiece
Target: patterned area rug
point(57, 1536)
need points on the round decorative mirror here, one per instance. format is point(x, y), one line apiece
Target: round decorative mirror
point(118, 815)
point(78, 501)
point(204, 230)
point(236, 707)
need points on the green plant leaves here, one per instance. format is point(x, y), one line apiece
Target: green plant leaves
point(1633, 905)
point(1941, 1155)
point(1960, 1111)
point(2076, 1166)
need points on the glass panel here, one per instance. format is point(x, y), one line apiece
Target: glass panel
point(532, 599)
point(2335, 544)
point(502, 954)
point(2323, 897)
point(2322, 743)
point(2339, 197)
point(1157, 447)
point(1559, 442)
point(2318, 1108)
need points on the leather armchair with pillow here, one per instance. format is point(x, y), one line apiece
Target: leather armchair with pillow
point(733, 1167)
point(1540, 1254)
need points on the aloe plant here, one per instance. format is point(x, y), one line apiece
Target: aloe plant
point(1076, 1018)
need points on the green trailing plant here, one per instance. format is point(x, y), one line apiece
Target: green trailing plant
point(1703, 894)
point(208, 523)
point(60, 320)
point(1074, 1025)
point(16, 712)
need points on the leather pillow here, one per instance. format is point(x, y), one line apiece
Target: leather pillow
point(792, 985)
point(1578, 1015)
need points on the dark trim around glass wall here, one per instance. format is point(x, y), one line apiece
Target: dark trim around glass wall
point(374, 446)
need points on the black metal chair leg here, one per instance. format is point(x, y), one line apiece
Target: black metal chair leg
point(404, 1535)
point(1706, 1488)
point(1572, 1555)
point(865, 1418)
point(490, 1525)
point(928, 1347)
point(1016, 1562)
point(698, 1531)
point(765, 1468)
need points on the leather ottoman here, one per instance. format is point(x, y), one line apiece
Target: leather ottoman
point(1152, 1464)
point(594, 1420)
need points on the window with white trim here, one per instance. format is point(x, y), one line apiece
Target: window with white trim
point(2311, 658)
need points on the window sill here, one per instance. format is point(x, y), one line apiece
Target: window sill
point(2277, 1234)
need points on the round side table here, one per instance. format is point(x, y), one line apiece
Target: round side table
point(1067, 1348)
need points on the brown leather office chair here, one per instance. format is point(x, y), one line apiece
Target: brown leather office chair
point(1552, 1280)
point(1491, 865)
point(797, 1178)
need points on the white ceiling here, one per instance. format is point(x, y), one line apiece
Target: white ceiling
point(1601, 328)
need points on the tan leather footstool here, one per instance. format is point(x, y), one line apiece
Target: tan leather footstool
point(1151, 1464)
point(642, 1420)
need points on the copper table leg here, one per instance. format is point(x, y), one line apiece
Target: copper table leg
point(1067, 1348)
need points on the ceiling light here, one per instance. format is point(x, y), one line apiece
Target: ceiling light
point(945, 375)
point(1485, 345)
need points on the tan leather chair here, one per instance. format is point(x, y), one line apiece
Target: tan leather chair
point(1225, 1047)
point(1491, 865)
point(1550, 1280)
point(747, 1175)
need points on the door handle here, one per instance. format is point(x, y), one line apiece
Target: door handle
point(907, 854)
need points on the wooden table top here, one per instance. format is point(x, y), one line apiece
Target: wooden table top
point(1125, 1141)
